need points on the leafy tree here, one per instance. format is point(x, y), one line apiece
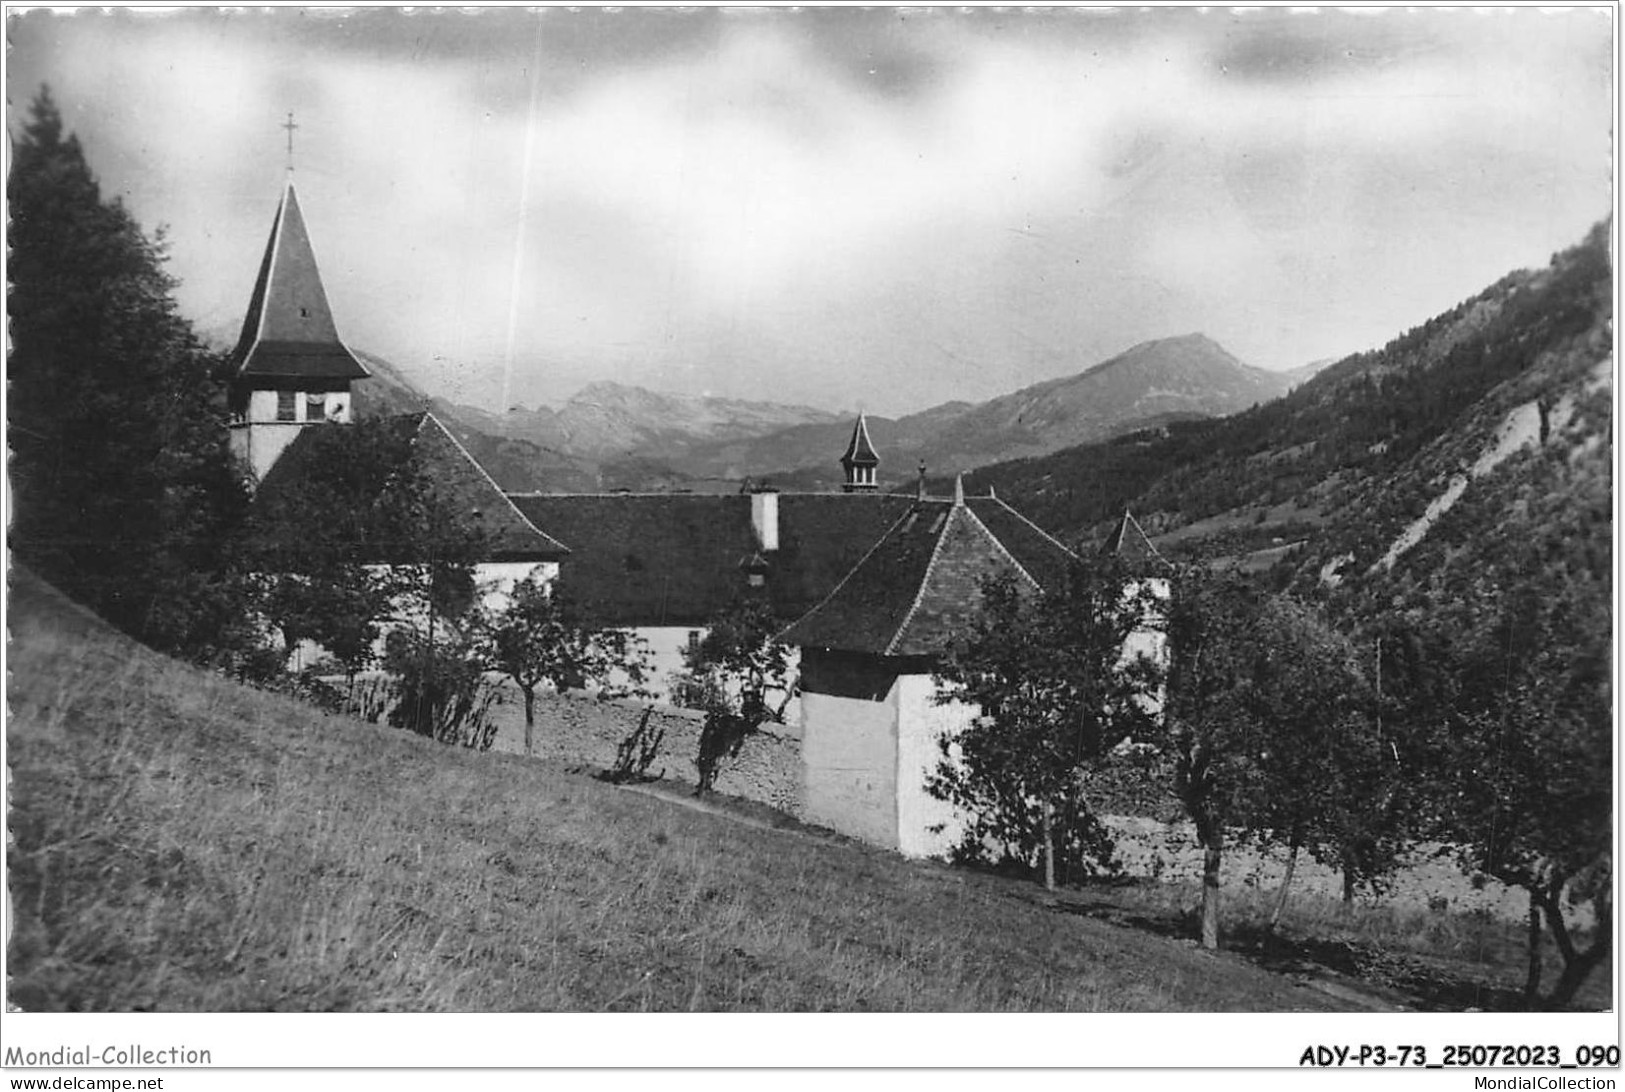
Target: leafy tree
point(439, 688)
point(1270, 726)
point(1210, 624)
point(1325, 776)
point(1057, 691)
point(364, 537)
point(731, 674)
point(123, 482)
point(540, 637)
point(1523, 778)
point(1496, 637)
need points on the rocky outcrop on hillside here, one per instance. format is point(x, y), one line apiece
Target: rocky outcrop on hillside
point(1385, 463)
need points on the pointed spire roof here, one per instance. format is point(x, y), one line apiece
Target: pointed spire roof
point(860, 452)
point(289, 331)
point(1129, 542)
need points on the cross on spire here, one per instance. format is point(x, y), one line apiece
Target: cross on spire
point(290, 127)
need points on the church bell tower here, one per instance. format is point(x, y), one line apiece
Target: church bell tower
point(290, 370)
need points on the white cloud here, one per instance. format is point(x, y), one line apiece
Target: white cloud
point(757, 216)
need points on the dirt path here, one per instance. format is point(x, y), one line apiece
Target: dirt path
point(694, 803)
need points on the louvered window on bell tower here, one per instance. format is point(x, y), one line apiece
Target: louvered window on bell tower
point(287, 406)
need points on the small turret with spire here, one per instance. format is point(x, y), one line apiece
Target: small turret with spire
point(860, 461)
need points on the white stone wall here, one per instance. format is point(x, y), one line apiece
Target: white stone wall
point(921, 723)
point(497, 579)
point(1151, 638)
point(262, 406)
point(576, 730)
point(308, 654)
point(259, 439)
point(666, 645)
point(261, 445)
point(849, 755)
point(849, 751)
point(869, 744)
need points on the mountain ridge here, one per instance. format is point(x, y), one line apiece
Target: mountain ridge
point(1392, 470)
point(610, 434)
point(1188, 375)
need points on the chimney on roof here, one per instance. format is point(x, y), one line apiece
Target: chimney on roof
point(919, 488)
point(764, 518)
point(959, 489)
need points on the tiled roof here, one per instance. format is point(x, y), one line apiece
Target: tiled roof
point(289, 331)
point(822, 536)
point(921, 584)
point(860, 451)
point(1045, 558)
point(457, 480)
point(679, 559)
point(1128, 542)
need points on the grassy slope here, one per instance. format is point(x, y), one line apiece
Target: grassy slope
point(183, 843)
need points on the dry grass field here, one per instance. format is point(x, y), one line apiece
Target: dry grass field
point(184, 843)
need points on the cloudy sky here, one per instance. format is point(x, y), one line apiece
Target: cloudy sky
point(884, 208)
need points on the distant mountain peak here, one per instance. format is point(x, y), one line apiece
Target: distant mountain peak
point(601, 391)
point(1467, 456)
point(1186, 350)
point(1172, 378)
point(704, 436)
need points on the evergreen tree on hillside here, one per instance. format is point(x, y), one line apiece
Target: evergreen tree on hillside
point(124, 488)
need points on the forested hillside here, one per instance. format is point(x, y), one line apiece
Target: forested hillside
point(1346, 462)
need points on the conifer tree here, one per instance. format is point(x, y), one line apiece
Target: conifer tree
point(124, 488)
